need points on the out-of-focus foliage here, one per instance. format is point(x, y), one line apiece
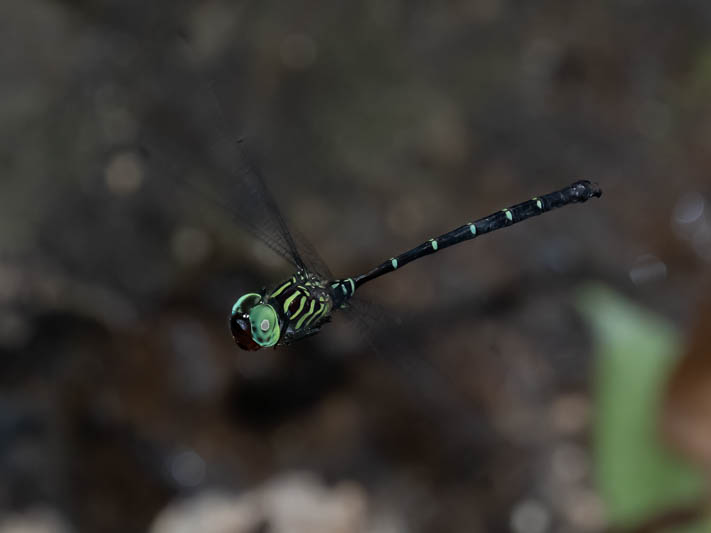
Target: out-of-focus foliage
point(635, 350)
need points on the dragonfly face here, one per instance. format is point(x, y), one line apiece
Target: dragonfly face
point(254, 323)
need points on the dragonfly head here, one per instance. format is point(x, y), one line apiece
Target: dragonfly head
point(254, 324)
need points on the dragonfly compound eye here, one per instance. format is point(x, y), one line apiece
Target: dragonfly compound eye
point(240, 323)
point(241, 332)
point(265, 325)
point(245, 303)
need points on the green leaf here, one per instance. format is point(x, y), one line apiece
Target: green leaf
point(636, 475)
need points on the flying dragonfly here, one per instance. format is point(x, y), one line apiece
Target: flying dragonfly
point(298, 307)
point(301, 305)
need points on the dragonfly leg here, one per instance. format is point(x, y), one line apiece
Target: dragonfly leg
point(301, 334)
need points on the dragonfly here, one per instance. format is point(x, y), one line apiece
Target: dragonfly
point(298, 307)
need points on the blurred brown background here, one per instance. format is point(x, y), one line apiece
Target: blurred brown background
point(124, 404)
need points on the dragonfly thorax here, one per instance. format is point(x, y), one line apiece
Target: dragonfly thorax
point(294, 309)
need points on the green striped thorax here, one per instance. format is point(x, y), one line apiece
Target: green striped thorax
point(254, 324)
point(294, 309)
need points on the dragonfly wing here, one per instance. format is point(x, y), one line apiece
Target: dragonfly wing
point(434, 390)
point(209, 162)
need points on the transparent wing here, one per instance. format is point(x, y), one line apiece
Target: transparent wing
point(237, 191)
point(191, 148)
point(434, 390)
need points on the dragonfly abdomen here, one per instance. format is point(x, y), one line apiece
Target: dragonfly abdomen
point(341, 291)
point(577, 192)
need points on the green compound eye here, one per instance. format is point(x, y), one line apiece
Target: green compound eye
point(246, 302)
point(254, 324)
point(265, 325)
